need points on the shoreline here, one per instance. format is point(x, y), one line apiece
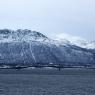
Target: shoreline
point(49, 71)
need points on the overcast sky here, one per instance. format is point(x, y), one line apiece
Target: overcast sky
point(51, 17)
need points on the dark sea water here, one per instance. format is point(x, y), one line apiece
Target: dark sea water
point(47, 82)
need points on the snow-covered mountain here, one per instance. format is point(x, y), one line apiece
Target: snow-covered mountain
point(74, 40)
point(21, 35)
point(28, 47)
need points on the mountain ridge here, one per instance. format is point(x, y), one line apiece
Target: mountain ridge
point(74, 40)
point(29, 47)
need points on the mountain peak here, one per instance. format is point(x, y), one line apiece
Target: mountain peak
point(21, 35)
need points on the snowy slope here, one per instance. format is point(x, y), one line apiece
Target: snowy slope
point(74, 40)
point(28, 35)
point(21, 35)
point(26, 46)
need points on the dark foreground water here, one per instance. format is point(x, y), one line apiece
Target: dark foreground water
point(47, 82)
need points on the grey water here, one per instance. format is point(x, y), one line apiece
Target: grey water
point(47, 82)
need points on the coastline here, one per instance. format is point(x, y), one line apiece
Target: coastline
point(50, 71)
